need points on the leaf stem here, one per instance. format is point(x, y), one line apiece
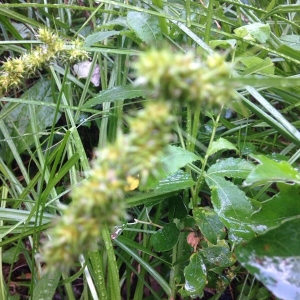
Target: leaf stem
point(202, 174)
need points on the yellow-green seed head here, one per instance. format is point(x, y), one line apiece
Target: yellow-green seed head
point(184, 78)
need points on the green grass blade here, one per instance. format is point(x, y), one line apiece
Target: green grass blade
point(147, 267)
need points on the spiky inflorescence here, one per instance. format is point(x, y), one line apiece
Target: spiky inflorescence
point(14, 70)
point(99, 199)
point(181, 77)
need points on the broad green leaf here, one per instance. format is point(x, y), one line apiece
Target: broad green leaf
point(271, 171)
point(273, 212)
point(292, 41)
point(230, 43)
point(172, 160)
point(166, 238)
point(176, 158)
point(115, 94)
point(145, 26)
point(209, 224)
point(177, 209)
point(46, 287)
point(257, 32)
point(18, 121)
point(231, 167)
point(232, 206)
point(11, 255)
point(99, 37)
point(274, 259)
point(255, 64)
point(248, 148)
point(195, 275)
point(219, 255)
point(230, 203)
point(180, 180)
point(220, 144)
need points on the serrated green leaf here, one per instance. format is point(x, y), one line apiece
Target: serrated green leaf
point(172, 160)
point(273, 212)
point(274, 259)
point(258, 32)
point(180, 180)
point(220, 144)
point(271, 171)
point(145, 26)
point(99, 37)
point(219, 255)
point(176, 158)
point(209, 224)
point(231, 167)
point(195, 276)
point(232, 206)
point(166, 238)
point(115, 94)
point(46, 287)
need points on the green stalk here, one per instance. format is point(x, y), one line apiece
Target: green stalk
point(189, 128)
point(75, 135)
point(3, 290)
point(145, 257)
point(113, 272)
point(201, 177)
point(209, 20)
point(188, 12)
point(176, 254)
point(162, 21)
point(193, 121)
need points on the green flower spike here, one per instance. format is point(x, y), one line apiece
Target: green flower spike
point(99, 200)
point(14, 69)
point(186, 79)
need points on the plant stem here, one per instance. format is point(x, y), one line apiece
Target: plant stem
point(113, 272)
point(162, 21)
point(201, 177)
point(208, 21)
